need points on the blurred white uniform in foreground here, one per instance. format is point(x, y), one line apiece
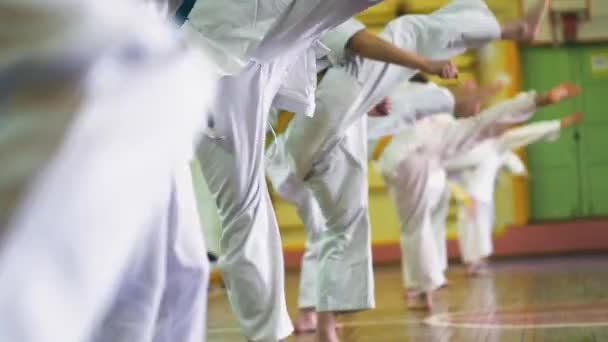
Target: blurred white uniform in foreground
point(100, 103)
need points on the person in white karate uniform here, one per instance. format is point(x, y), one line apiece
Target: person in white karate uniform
point(477, 171)
point(365, 43)
point(345, 94)
point(346, 41)
point(266, 53)
point(294, 190)
point(163, 296)
point(297, 193)
point(94, 123)
point(413, 165)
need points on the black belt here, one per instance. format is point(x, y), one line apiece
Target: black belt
point(183, 11)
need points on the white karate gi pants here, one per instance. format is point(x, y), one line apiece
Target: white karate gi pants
point(417, 186)
point(294, 190)
point(251, 253)
point(439, 218)
point(297, 193)
point(207, 210)
point(475, 232)
point(475, 229)
point(81, 222)
point(163, 295)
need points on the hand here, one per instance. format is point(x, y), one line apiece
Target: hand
point(572, 119)
point(443, 69)
point(381, 109)
point(560, 93)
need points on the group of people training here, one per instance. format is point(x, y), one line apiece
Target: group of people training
point(106, 103)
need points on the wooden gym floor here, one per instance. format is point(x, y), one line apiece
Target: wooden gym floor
point(539, 299)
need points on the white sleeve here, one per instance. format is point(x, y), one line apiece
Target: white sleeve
point(469, 24)
point(514, 164)
point(528, 134)
point(378, 127)
point(306, 19)
point(446, 33)
point(471, 157)
point(516, 118)
point(337, 39)
point(411, 101)
point(524, 102)
point(428, 99)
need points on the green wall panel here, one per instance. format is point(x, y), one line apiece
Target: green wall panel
point(570, 177)
point(593, 64)
point(555, 181)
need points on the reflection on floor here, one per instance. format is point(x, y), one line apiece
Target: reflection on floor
point(547, 299)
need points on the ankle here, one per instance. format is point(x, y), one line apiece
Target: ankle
point(326, 319)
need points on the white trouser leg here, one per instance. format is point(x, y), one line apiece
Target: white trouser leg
point(251, 258)
point(294, 190)
point(438, 220)
point(76, 226)
point(485, 222)
point(339, 183)
point(207, 210)
point(307, 297)
point(314, 222)
point(466, 234)
point(182, 315)
point(475, 232)
point(163, 296)
point(132, 315)
point(409, 190)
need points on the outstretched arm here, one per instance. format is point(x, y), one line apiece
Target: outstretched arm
point(527, 28)
point(538, 131)
point(525, 104)
point(560, 93)
point(369, 45)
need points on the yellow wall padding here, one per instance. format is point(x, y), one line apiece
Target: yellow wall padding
point(380, 14)
point(422, 6)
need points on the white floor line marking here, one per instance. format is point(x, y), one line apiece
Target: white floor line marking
point(218, 331)
point(442, 320)
point(233, 330)
point(382, 322)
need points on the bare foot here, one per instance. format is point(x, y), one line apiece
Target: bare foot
point(572, 119)
point(476, 269)
point(528, 28)
point(326, 330)
point(533, 19)
point(306, 323)
point(417, 300)
point(563, 92)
